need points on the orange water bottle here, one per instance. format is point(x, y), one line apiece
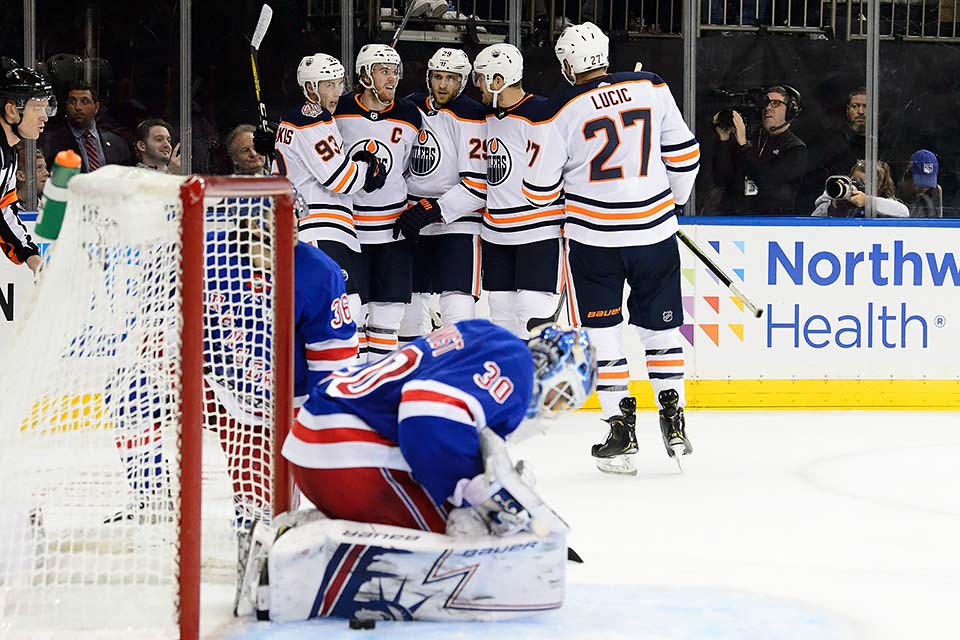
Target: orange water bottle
point(54, 202)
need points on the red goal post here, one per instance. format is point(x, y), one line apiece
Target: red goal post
point(151, 388)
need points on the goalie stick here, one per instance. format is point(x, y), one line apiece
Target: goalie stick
point(266, 14)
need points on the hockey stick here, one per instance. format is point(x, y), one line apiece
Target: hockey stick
point(718, 271)
point(533, 323)
point(403, 23)
point(266, 14)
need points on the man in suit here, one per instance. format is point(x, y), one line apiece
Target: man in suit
point(80, 133)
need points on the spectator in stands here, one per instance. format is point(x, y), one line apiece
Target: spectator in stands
point(246, 160)
point(885, 205)
point(761, 176)
point(42, 175)
point(96, 147)
point(155, 147)
point(919, 188)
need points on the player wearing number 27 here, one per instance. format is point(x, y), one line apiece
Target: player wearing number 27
point(619, 148)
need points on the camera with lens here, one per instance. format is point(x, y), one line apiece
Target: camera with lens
point(838, 189)
point(743, 101)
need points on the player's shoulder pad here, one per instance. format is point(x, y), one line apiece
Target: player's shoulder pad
point(419, 98)
point(405, 111)
point(633, 76)
point(466, 108)
point(532, 108)
point(306, 114)
point(349, 105)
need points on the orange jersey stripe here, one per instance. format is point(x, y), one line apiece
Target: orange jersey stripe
point(623, 217)
point(359, 217)
point(548, 213)
point(329, 216)
point(473, 183)
point(681, 158)
point(665, 363)
point(284, 123)
point(550, 197)
point(383, 341)
point(343, 182)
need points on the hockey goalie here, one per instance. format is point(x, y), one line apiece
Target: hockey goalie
point(421, 515)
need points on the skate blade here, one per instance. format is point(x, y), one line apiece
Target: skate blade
point(620, 465)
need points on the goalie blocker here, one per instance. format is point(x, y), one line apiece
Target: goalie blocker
point(306, 566)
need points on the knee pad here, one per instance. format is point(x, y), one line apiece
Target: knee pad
point(357, 310)
point(503, 310)
point(665, 362)
point(382, 326)
point(456, 306)
point(534, 304)
point(660, 339)
point(613, 372)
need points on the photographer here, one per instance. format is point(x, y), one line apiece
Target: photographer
point(760, 176)
point(845, 198)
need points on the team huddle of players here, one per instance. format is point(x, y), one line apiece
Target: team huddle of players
point(521, 196)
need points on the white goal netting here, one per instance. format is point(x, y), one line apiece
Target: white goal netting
point(91, 422)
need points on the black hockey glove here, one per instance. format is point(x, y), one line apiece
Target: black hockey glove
point(376, 172)
point(265, 140)
point(424, 212)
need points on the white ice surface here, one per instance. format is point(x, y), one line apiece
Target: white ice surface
point(784, 525)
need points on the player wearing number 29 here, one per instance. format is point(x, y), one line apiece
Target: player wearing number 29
point(619, 148)
point(521, 242)
point(393, 442)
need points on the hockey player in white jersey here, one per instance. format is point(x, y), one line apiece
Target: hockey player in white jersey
point(521, 242)
point(619, 148)
point(310, 153)
point(447, 183)
point(372, 119)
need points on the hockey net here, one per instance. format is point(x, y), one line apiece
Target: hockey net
point(141, 395)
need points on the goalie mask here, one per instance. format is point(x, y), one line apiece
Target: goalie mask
point(502, 60)
point(318, 68)
point(564, 370)
point(450, 61)
point(584, 47)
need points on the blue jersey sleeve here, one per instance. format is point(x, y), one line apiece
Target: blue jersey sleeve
point(325, 333)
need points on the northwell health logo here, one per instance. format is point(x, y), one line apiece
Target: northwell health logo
point(703, 321)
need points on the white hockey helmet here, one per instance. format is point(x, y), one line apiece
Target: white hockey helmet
point(451, 61)
point(318, 68)
point(502, 60)
point(371, 54)
point(584, 47)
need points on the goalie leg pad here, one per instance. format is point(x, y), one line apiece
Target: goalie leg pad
point(351, 570)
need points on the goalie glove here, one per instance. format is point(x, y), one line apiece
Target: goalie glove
point(376, 172)
point(504, 515)
point(265, 140)
point(425, 211)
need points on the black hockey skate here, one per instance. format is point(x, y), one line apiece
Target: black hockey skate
point(613, 454)
point(673, 426)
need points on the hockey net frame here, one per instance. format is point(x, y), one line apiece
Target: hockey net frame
point(193, 400)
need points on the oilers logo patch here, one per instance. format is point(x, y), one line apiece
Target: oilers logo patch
point(499, 162)
point(425, 154)
point(375, 147)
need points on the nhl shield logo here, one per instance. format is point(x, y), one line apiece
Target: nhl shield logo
point(499, 161)
point(425, 154)
point(667, 316)
point(375, 147)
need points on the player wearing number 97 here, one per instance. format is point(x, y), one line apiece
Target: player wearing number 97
point(521, 242)
point(397, 442)
point(619, 149)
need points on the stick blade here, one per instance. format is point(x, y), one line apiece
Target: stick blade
point(266, 15)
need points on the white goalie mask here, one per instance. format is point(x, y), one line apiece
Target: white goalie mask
point(564, 370)
point(584, 47)
point(371, 54)
point(502, 60)
point(451, 61)
point(317, 68)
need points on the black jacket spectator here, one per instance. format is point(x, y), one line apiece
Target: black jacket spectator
point(775, 164)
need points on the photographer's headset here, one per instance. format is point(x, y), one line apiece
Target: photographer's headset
point(794, 101)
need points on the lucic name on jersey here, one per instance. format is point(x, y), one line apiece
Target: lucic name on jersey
point(619, 149)
point(419, 409)
point(511, 218)
point(389, 134)
point(448, 162)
